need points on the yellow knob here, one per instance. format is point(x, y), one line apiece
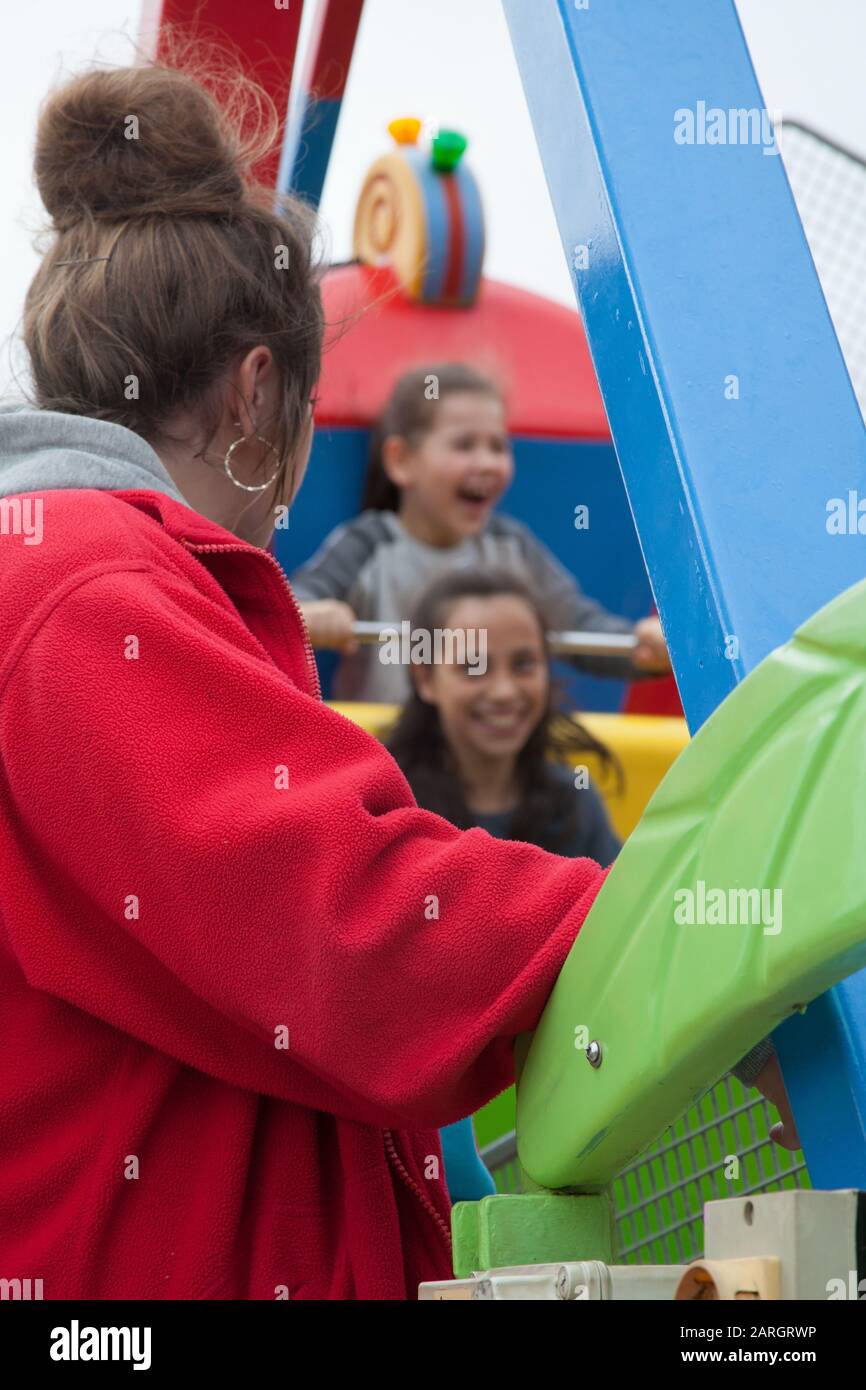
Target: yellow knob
point(405, 130)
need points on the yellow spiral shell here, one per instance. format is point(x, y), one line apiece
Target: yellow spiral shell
point(390, 226)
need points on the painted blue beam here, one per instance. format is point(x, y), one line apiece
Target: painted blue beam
point(307, 149)
point(810, 1048)
point(317, 99)
point(729, 403)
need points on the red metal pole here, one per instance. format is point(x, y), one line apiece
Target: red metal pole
point(262, 35)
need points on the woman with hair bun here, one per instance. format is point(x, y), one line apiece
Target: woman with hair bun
point(243, 977)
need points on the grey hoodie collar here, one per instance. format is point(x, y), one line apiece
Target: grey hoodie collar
point(42, 450)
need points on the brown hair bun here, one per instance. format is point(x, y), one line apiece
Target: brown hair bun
point(129, 142)
point(169, 260)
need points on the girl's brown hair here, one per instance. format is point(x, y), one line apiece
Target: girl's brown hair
point(410, 412)
point(168, 260)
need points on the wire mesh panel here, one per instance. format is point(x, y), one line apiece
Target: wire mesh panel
point(721, 1148)
point(829, 186)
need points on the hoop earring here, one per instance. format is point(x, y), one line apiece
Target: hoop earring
point(247, 487)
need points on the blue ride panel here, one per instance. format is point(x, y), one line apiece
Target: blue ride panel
point(551, 478)
point(728, 399)
point(330, 494)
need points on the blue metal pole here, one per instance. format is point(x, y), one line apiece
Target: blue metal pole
point(316, 108)
point(729, 403)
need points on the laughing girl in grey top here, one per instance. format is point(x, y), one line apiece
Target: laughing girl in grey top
point(442, 461)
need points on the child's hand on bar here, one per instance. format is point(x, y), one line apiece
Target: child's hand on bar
point(651, 653)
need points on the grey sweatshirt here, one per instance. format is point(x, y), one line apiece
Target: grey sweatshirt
point(41, 450)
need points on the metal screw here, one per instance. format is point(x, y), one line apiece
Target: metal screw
point(593, 1054)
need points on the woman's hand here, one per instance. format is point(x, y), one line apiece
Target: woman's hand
point(770, 1083)
point(651, 653)
point(329, 624)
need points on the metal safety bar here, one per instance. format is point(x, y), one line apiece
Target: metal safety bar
point(560, 643)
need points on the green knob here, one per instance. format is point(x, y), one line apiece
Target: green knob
point(447, 150)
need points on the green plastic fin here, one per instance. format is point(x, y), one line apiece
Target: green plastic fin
point(740, 896)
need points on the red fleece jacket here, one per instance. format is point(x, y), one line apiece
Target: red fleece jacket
point(243, 978)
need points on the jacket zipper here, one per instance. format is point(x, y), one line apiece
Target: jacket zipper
point(312, 669)
point(405, 1177)
point(390, 1147)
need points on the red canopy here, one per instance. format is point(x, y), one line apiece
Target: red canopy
point(534, 348)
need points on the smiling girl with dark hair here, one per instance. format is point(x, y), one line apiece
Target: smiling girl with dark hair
point(491, 747)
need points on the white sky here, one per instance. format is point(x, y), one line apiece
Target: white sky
point(446, 61)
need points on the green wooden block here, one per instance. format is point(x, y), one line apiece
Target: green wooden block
point(529, 1229)
point(466, 1257)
